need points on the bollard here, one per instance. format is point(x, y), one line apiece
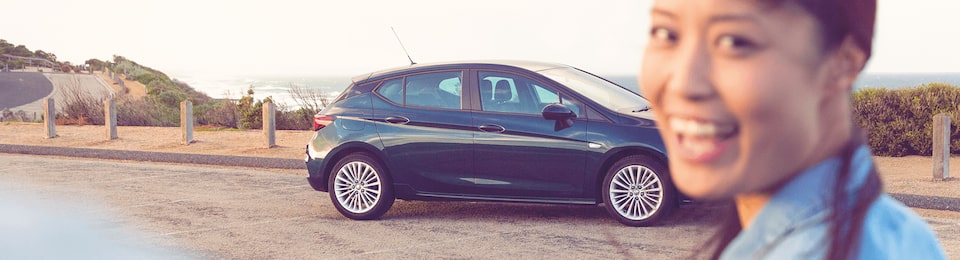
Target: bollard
point(269, 124)
point(110, 118)
point(49, 118)
point(941, 147)
point(186, 122)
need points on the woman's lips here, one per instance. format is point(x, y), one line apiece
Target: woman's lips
point(701, 141)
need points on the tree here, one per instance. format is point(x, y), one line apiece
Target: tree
point(249, 111)
point(313, 100)
point(96, 64)
point(21, 50)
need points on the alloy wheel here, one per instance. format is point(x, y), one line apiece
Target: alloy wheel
point(357, 187)
point(636, 192)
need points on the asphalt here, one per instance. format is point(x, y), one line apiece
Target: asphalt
point(21, 88)
point(911, 200)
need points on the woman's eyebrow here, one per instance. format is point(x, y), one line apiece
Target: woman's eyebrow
point(658, 11)
point(719, 18)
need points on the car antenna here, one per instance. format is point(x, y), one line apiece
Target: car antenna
point(401, 46)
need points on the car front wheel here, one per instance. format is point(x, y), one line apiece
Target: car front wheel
point(637, 191)
point(360, 188)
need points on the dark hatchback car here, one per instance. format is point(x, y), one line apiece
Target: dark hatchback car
point(509, 131)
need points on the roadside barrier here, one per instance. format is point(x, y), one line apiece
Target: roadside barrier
point(110, 118)
point(941, 147)
point(49, 118)
point(270, 124)
point(186, 122)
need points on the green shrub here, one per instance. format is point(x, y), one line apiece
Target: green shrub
point(900, 121)
point(219, 113)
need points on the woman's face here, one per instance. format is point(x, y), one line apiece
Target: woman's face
point(739, 92)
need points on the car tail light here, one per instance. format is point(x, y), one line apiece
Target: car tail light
point(319, 122)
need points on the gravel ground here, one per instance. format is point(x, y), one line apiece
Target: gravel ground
point(144, 210)
point(268, 210)
point(911, 200)
point(225, 160)
point(222, 212)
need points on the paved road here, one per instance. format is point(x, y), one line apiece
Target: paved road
point(21, 88)
point(218, 212)
point(25, 91)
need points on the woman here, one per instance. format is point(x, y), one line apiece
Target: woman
point(753, 102)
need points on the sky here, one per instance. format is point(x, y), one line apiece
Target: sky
point(219, 38)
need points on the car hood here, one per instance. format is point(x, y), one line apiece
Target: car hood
point(644, 118)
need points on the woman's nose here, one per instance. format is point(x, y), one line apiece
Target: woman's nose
point(690, 76)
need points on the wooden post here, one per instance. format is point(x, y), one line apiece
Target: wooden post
point(941, 147)
point(269, 124)
point(186, 122)
point(49, 118)
point(110, 118)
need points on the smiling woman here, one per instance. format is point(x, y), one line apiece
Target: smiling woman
point(755, 96)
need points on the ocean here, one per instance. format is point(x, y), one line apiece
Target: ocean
point(872, 80)
point(278, 87)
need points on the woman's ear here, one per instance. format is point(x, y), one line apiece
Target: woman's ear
point(848, 60)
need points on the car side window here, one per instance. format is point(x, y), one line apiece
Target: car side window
point(392, 90)
point(437, 90)
point(509, 93)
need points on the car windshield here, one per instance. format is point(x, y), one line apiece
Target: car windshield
point(599, 90)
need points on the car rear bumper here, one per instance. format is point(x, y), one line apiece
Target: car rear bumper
point(314, 171)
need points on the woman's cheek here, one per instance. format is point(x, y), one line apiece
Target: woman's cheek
point(653, 76)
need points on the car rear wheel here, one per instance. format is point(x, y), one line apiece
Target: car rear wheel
point(360, 188)
point(637, 191)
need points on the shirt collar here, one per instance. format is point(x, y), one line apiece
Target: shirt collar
point(802, 201)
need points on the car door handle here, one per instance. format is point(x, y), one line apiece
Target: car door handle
point(397, 120)
point(492, 128)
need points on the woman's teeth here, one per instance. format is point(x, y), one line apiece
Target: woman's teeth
point(701, 129)
point(701, 138)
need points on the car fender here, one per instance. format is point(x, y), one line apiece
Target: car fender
point(345, 149)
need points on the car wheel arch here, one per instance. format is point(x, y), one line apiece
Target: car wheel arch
point(616, 155)
point(347, 149)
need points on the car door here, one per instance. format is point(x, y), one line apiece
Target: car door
point(426, 135)
point(517, 151)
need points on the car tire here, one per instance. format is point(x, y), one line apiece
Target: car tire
point(360, 188)
point(637, 191)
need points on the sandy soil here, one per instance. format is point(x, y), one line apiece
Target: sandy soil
point(290, 144)
point(137, 89)
point(910, 175)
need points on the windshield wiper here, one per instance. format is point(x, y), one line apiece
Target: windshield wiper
point(644, 109)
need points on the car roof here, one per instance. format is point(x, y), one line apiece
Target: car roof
point(528, 65)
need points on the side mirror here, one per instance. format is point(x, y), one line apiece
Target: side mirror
point(560, 113)
point(557, 111)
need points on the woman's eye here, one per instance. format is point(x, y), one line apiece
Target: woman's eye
point(736, 44)
point(664, 35)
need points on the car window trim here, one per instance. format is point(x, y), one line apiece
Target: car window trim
point(403, 85)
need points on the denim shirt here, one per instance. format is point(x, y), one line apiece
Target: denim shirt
point(793, 224)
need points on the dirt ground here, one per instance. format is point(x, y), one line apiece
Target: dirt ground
point(290, 144)
point(910, 175)
point(181, 212)
point(137, 89)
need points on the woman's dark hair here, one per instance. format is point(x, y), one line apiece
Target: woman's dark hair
point(847, 213)
point(837, 20)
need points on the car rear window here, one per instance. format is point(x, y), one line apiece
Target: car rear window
point(392, 90)
point(437, 90)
